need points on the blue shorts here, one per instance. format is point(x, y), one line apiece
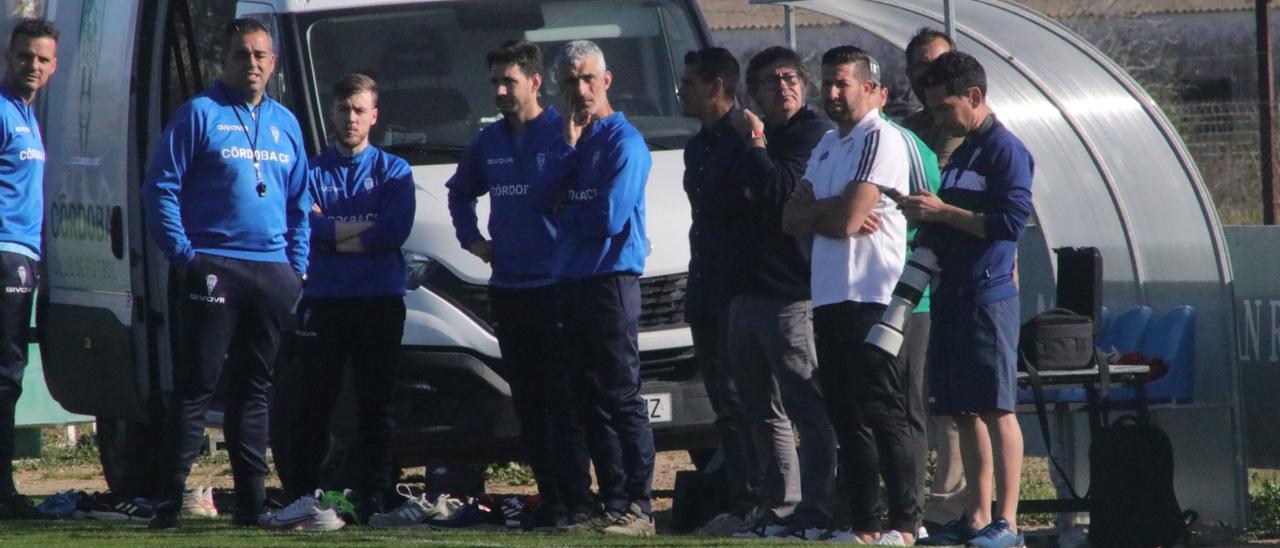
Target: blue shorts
point(973, 357)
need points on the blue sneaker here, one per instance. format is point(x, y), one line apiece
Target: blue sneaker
point(996, 535)
point(61, 505)
point(958, 532)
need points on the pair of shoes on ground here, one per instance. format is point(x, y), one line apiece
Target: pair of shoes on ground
point(997, 534)
point(417, 510)
point(112, 507)
point(633, 522)
point(320, 511)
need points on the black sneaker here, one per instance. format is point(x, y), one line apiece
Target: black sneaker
point(166, 516)
point(16, 506)
point(116, 509)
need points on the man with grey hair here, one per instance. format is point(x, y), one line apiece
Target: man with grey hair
point(600, 253)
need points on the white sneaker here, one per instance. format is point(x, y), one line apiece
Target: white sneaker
point(305, 514)
point(199, 502)
point(922, 533)
point(890, 538)
point(416, 510)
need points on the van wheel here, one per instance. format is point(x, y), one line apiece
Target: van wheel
point(129, 454)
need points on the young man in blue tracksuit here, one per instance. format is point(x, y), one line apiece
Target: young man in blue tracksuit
point(226, 201)
point(600, 254)
point(353, 305)
point(29, 61)
point(511, 161)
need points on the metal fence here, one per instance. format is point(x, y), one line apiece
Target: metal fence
point(1223, 139)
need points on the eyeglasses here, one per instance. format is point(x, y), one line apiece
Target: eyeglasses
point(778, 80)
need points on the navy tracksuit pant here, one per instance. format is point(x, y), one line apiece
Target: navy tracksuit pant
point(601, 318)
point(366, 332)
point(18, 278)
point(528, 330)
point(230, 315)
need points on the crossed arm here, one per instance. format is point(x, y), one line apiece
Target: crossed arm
point(844, 216)
point(345, 233)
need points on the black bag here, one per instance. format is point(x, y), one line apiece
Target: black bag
point(1131, 498)
point(1080, 282)
point(1058, 339)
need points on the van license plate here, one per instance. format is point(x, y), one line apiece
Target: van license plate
point(659, 406)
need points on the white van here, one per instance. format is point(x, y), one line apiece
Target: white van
point(124, 69)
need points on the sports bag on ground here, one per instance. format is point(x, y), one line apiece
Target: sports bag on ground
point(1131, 498)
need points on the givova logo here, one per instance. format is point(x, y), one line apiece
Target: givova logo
point(304, 328)
point(210, 282)
point(21, 288)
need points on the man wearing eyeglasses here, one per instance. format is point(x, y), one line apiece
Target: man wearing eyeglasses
point(770, 341)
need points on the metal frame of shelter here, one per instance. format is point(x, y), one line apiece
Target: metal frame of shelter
point(1111, 172)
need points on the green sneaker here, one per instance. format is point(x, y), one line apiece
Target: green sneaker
point(343, 503)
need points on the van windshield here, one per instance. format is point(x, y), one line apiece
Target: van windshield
point(429, 61)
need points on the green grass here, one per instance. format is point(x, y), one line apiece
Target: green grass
point(218, 532)
point(509, 473)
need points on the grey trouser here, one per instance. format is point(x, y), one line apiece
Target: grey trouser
point(774, 361)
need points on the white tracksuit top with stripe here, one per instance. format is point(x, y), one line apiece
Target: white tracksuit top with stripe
point(862, 268)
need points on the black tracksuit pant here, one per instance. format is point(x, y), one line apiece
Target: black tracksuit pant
point(528, 330)
point(230, 315)
point(18, 278)
point(332, 332)
point(601, 318)
point(867, 399)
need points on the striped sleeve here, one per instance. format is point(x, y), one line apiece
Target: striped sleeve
point(866, 161)
point(917, 179)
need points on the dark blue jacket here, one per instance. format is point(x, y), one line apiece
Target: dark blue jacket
point(370, 186)
point(990, 173)
point(512, 174)
point(21, 176)
point(602, 221)
point(200, 193)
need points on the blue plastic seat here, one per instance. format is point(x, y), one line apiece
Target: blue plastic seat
point(1172, 339)
point(1127, 332)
